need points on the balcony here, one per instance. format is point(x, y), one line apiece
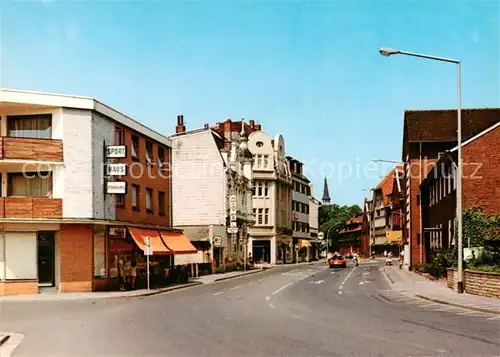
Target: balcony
point(31, 149)
point(30, 207)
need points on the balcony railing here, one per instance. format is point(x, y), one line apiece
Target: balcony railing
point(31, 149)
point(30, 207)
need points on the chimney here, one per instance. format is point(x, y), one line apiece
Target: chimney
point(180, 128)
point(251, 123)
point(257, 127)
point(228, 127)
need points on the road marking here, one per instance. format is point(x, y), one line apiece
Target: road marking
point(345, 280)
point(235, 287)
point(282, 288)
point(272, 306)
point(220, 292)
point(340, 292)
point(267, 298)
point(493, 318)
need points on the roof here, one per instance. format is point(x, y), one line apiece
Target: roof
point(475, 137)
point(78, 102)
point(355, 220)
point(441, 125)
point(387, 183)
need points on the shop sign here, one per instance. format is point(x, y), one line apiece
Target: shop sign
point(233, 224)
point(116, 151)
point(232, 230)
point(232, 204)
point(232, 211)
point(117, 232)
point(116, 169)
point(233, 218)
point(147, 246)
point(321, 235)
point(116, 187)
point(217, 241)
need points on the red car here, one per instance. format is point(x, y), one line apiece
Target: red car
point(337, 262)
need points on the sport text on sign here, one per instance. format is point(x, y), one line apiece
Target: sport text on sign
point(116, 151)
point(116, 169)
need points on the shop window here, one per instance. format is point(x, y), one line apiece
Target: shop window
point(161, 203)
point(149, 200)
point(135, 198)
point(100, 254)
point(135, 147)
point(30, 185)
point(30, 126)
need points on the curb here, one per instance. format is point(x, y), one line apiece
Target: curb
point(238, 276)
point(160, 291)
point(495, 312)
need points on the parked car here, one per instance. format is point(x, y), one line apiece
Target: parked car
point(337, 261)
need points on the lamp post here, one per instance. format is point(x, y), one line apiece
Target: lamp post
point(389, 52)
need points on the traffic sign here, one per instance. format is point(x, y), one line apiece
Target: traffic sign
point(232, 230)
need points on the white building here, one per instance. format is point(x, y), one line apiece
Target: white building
point(314, 205)
point(211, 178)
point(271, 236)
point(301, 193)
point(60, 228)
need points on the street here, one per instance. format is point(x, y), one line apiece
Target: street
point(306, 310)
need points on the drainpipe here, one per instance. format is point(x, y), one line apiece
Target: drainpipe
point(419, 203)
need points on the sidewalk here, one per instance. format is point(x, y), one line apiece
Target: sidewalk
point(412, 284)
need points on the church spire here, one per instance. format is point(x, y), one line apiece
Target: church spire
point(326, 195)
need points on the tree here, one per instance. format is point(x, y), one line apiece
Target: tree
point(332, 219)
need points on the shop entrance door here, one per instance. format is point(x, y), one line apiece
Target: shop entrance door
point(46, 258)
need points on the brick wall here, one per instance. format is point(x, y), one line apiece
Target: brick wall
point(139, 173)
point(19, 287)
point(481, 183)
point(481, 283)
point(451, 279)
point(76, 257)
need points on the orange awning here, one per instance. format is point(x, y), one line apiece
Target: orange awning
point(178, 243)
point(139, 235)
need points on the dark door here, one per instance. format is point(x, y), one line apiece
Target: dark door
point(46, 258)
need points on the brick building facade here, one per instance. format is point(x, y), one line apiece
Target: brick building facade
point(480, 187)
point(427, 134)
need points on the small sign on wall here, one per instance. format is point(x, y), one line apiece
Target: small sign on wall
point(116, 169)
point(116, 151)
point(116, 187)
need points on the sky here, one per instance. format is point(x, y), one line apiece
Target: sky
point(309, 70)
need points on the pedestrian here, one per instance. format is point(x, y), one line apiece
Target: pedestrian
point(385, 253)
point(133, 274)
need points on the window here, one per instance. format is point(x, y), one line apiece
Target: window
point(259, 216)
point(135, 198)
point(119, 136)
point(161, 203)
point(259, 160)
point(266, 189)
point(161, 158)
point(99, 255)
point(149, 200)
point(259, 144)
point(266, 216)
point(120, 201)
point(135, 147)
point(254, 188)
point(30, 126)
point(30, 185)
point(149, 153)
point(266, 161)
point(259, 189)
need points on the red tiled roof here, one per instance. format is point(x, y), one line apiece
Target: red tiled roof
point(387, 183)
point(354, 220)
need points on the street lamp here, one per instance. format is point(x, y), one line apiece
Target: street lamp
point(389, 52)
point(389, 161)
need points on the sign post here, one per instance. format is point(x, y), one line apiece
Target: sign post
point(147, 252)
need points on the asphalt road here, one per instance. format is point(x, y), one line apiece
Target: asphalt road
point(287, 311)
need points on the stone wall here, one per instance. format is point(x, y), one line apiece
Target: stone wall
point(481, 283)
point(476, 283)
point(451, 279)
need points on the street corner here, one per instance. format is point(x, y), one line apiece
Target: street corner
point(9, 341)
